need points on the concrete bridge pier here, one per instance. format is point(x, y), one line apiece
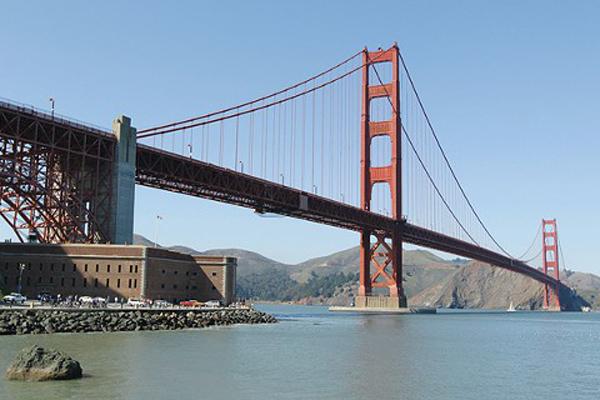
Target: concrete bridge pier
point(123, 181)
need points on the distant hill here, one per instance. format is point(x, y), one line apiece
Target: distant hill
point(478, 285)
point(587, 286)
point(428, 280)
point(248, 261)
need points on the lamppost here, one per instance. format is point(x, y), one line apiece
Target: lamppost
point(158, 219)
point(51, 100)
point(21, 267)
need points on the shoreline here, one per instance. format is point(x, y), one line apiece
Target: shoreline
point(48, 321)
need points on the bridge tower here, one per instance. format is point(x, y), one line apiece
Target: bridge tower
point(385, 254)
point(123, 181)
point(550, 262)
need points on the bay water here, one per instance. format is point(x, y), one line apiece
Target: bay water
point(316, 354)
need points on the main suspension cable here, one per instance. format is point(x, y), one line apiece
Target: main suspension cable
point(447, 161)
point(287, 89)
point(421, 160)
point(539, 230)
point(223, 114)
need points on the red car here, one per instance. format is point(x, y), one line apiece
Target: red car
point(190, 303)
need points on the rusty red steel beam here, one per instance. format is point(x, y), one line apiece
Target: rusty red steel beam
point(58, 173)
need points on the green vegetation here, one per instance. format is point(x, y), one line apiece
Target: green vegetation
point(276, 285)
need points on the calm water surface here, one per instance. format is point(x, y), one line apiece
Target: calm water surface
point(313, 354)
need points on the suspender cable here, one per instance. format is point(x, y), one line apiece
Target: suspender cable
point(422, 107)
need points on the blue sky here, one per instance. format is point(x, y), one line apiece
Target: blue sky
point(512, 88)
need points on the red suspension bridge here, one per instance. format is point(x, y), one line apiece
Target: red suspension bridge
point(352, 147)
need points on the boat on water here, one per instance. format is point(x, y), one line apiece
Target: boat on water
point(511, 308)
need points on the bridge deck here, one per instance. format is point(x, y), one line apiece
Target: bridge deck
point(168, 171)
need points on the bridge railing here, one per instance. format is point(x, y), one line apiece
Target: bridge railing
point(59, 118)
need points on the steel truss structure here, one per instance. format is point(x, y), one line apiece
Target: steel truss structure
point(55, 177)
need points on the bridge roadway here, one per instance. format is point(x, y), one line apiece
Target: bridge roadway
point(168, 171)
point(172, 172)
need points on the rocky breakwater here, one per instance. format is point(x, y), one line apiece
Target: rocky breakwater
point(21, 322)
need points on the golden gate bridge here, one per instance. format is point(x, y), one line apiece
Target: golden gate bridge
point(351, 147)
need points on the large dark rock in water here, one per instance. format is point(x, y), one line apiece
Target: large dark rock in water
point(38, 364)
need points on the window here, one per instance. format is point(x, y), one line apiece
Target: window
point(194, 287)
point(84, 282)
point(119, 268)
point(187, 287)
point(136, 269)
point(39, 279)
point(130, 268)
point(135, 283)
point(41, 266)
point(174, 286)
point(97, 268)
point(86, 268)
point(62, 281)
point(214, 274)
point(118, 282)
point(162, 285)
point(108, 268)
point(73, 282)
point(164, 271)
point(51, 279)
point(195, 274)
point(175, 272)
point(129, 283)
point(63, 269)
point(74, 267)
point(187, 273)
point(95, 282)
point(107, 282)
point(51, 267)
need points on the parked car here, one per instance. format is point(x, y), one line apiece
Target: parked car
point(14, 298)
point(132, 302)
point(86, 300)
point(213, 303)
point(161, 303)
point(190, 303)
point(99, 301)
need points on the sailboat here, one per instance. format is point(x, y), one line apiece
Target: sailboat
point(511, 308)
